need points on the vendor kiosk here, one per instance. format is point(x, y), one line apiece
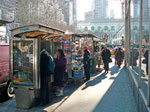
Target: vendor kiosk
point(75, 58)
point(25, 47)
point(93, 43)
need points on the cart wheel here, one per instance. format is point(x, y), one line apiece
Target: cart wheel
point(10, 90)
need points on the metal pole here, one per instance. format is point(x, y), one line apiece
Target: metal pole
point(148, 91)
point(140, 42)
point(125, 32)
point(128, 40)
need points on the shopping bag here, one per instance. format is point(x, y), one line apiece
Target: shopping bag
point(110, 60)
point(144, 61)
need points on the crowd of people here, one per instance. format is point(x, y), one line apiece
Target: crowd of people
point(58, 67)
point(49, 66)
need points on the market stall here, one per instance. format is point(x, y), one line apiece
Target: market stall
point(74, 51)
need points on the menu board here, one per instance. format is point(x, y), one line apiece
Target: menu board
point(23, 62)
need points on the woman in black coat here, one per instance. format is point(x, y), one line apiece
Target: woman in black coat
point(87, 63)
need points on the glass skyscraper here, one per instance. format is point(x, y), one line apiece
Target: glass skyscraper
point(101, 9)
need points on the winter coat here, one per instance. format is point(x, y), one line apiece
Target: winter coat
point(146, 56)
point(44, 65)
point(59, 71)
point(133, 57)
point(119, 56)
point(86, 59)
point(106, 55)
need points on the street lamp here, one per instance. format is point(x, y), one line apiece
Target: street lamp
point(122, 40)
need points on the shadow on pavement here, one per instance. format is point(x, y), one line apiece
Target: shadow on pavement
point(10, 106)
point(114, 70)
point(119, 97)
point(97, 80)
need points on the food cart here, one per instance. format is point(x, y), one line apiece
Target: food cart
point(25, 47)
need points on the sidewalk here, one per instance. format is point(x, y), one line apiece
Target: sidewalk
point(103, 93)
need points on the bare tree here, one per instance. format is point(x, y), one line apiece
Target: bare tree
point(40, 11)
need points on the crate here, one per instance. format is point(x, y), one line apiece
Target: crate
point(78, 74)
point(78, 81)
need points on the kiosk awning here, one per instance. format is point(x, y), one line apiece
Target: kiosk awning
point(37, 31)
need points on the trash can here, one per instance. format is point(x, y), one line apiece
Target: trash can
point(92, 65)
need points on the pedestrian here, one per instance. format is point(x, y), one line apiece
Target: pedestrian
point(119, 55)
point(133, 56)
point(44, 76)
point(59, 72)
point(106, 59)
point(146, 60)
point(115, 56)
point(86, 61)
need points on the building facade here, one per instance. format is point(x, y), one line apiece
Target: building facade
point(114, 28)
point(136, 8)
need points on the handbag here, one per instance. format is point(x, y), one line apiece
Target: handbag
point(65, 77)
point(144, 61)
point(109, 60)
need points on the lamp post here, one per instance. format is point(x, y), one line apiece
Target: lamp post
point(122, 40)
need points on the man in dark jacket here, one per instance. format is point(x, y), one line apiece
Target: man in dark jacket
point(87, 63)
point(45, 76)
point(106, 57)
point(146, 60)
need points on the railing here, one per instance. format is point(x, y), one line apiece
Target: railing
point(139, 71)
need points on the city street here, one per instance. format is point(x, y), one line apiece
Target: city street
point(103, 93)
point(51, 50)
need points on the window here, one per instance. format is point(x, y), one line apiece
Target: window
point(112, 28)
point(106, 28)
point(143, 28)
point(135, 28)
point(92, 28)
point(99, 28)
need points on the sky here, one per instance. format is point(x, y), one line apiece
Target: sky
point(82, 7)
point(85, 6)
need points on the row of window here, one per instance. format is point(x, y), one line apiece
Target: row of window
point(105, 28)
point(136, 28)
point(112, 28)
